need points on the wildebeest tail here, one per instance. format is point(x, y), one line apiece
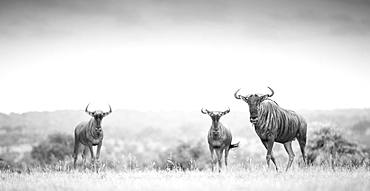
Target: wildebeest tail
point(234, 145)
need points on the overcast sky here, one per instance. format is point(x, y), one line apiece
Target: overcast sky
point(183, 54)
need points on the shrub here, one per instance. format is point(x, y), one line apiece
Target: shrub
point(329, 146)
point(185, 156)
point(56, 147)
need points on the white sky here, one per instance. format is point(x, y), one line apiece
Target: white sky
point(162, 65)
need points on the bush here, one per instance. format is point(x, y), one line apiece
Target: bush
point(330, 147)
point(7, 166)
point(185, 156)
point(57, 147)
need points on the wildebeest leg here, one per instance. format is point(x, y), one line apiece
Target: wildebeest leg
point(226, 155)
point(302, 145)
point(84, 155)
point(212, 158)
point(75, 152)
point(289, 150)
point(269, 145)
point(92, 155)
point(219, 157)
point(272, 155)
point(98, 153)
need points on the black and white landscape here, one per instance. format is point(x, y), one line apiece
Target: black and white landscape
point(157, 63)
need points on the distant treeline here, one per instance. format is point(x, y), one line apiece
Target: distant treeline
point(129, 123)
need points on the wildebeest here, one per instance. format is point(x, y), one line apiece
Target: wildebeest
point(275, 124)
point(219, 137)
point(89, 134)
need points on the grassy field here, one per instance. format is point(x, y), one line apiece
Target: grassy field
point(312, 178)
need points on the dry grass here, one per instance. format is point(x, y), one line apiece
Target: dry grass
point(313, 178)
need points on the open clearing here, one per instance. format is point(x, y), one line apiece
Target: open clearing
point(256, 179)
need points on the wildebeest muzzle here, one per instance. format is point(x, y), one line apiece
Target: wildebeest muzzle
point(253, 119)
point(98, 130)
point(216, 133)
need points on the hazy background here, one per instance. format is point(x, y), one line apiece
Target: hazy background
point(183, 55)
point(158, 62)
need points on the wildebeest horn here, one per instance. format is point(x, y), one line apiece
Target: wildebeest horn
point(236, 94)
point(272, 92)
point(110, 111)
point(87, 111)
point(227, 111)
point(204, 111)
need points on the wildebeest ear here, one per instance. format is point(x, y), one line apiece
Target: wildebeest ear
point(263, 98)
point(91, 114)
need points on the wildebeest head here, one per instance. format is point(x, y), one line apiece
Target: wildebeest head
point(98, 115)
point(215, 115)
point(253, 101)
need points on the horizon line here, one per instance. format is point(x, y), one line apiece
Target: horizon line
point(174, 110)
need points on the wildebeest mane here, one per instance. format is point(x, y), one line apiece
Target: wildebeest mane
point(273, 117)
